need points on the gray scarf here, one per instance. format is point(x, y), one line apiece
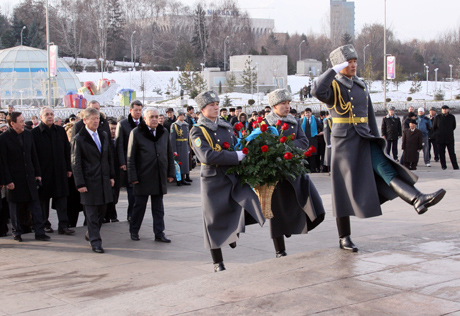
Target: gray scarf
point(272, 118)
point(202, 120)
point(347, 82)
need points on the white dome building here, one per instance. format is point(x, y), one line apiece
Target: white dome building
point(23, 77)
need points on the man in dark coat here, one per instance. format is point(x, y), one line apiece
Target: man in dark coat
point(21, 173)
point(53, 150)
point(327, 129)
point(171, 118)
point(189, 117)
point(432, 136)
point(124, 128)
point(150, 168)
point(93, 170)
point(363, 176)
point(412, 143)
point(228, 205)
point(111, 213)
point(444, 126)
point(103, 124)
point(391, 132)
point(296, 205)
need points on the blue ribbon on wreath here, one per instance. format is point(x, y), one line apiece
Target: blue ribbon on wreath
point(255, 133)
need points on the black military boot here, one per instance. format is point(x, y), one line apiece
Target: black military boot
point(218, 260)
point(219, 266)
point(344, 229)
point(187, 178)
point(346, 244)
point(414, 197)
point(183, 180)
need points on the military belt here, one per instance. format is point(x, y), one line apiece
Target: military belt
point(349, 120)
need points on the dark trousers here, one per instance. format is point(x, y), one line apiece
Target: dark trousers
point(410, 165)
point(158, 213)
point(61, 209)
point(94, 217)
point(432, 143)
point(35, 209)
point(452, 156)
point(381, 164)
point(131, 200)
point(111, 211)
point(343, 226)
point(312, 163)
point(3, 217)
point(393, 146)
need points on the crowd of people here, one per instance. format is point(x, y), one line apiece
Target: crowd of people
point(82, 165)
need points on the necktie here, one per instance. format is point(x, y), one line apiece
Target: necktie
point(153, 132)
point(136, 122)
point(96, 140)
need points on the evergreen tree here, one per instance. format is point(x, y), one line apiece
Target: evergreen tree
point(200, 36)
point(226, 102)
point(368, 74)
point(34, 38)
point(115, 37)
point(249, 77)
point(231, 82)
point(416, 85)
point(191, 81)
point(399, 76)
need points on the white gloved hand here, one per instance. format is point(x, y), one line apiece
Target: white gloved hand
point(339, 67)
point(329, 146)
point(240, 155)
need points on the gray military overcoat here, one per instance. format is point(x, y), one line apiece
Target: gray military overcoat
point(327, 139)
point(227, 204)
point(180, 144)
point(296, 205)
point(356, 190)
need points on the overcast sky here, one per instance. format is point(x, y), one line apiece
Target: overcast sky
point(407, 18)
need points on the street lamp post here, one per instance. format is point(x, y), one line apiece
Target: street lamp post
point(427, 71)
point(385, 53)
point(132, 49)
point(451, 81)
point(48, 53)
point(300, 49)
point(257, 83)
point(364, 57)
point(23, 28)
point(202, 66)
point(225, 52)
point(435, 82)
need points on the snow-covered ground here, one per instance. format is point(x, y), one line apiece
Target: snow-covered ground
point(157, 84)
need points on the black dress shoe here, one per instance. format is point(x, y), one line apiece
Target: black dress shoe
point(135, 237)
point(219, 267)
point(346, 244)
point(184, 182)
point(179, 183)
point(98, 249)
point(187, 178)
point(280, 254)
point(66, 232)
point(42, 237)
point(18, 238)
point(162, 239)
point(105, 221)
point(114, 220)
point(49, 230)
point(233, 245)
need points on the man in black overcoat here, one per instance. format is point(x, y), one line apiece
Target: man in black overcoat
point(124, 128)
point(21, 175)
point(103, 124)
point(93, 170)
point(150, 168)
point(53, 151)
point(444, 126)
point(391, 131)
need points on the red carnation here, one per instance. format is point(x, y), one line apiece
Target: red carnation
point(255, 125)
point(283, 139)
point(287, 156)
point(180, 163)
point(243, 133)
point(293, 137)
point(226, 145)
point(313, 149)
point(238, 126)
point(278, 123)
point(264, 148)
point(245, 151)
point(285, 127)
point(307, 153)
point(176, 154)
point(263, 127)
point(260, 119)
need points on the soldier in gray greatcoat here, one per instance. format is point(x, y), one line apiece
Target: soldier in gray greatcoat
point(327, 123)
point(180, 145)
point(228, 205)
point(363, 176)
point(296, 205)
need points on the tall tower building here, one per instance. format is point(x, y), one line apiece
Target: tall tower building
point(342, 20)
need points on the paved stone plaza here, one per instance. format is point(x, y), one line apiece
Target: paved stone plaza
point(407, 264)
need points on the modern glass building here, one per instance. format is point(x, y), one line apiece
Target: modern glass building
point(23, 77)
point(342, 20)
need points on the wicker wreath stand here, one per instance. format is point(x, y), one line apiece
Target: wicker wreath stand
point(264, 193)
